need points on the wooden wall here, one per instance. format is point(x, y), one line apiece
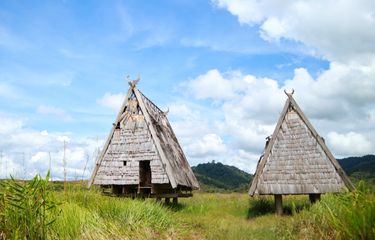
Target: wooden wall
point(132, 143)
point(297, 163)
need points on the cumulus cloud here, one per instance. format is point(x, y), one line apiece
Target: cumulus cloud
point(209, 145)
point(348, 33)
point(249, 114)
point(350, 143)
point(339, 100)
point(26, 152)
point(211, 85)
point(112, 100)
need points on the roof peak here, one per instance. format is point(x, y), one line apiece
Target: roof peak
point(133, 83)
point(289, 94)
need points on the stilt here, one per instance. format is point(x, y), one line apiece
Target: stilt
point(279, 204)
point(167, 200)
point(314, 197)
point(175, 201)
point(158, 199)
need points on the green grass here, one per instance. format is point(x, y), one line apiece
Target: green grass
point(338, 216)
point(89, 215)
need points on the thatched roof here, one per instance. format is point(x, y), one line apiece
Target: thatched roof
point(296, 159)
point(145, 135)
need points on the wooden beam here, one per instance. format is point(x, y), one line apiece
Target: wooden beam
point(155, 138)
point(279, 204)
point(330, 156)
point(268, 149)
point(106, 145)
point(171, 195)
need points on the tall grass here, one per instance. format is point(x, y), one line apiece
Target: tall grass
point(87, 214)
point(349, 215)
point(27, 209)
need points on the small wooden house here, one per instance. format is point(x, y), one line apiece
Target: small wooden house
point(296, 160)
point(142, 156)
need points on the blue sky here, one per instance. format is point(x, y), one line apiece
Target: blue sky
point(63, 68)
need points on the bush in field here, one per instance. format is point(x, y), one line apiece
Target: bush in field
point(27, 209)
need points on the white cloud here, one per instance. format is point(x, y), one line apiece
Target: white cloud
point(51, 110)
point(243, 119)
point(350, 143)
point(26, 152)
point(210, 145)
point(112, 101)
point(340, 30)
point(65, 139)
point(273, 29)
point(211, 85)
point(9, 125)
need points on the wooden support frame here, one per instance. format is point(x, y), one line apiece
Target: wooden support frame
point(279, 204)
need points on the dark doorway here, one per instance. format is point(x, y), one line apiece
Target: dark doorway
point(144, 174)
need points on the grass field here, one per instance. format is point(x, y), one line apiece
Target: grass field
point(83, 214)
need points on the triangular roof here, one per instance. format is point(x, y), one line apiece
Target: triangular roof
point(161, 136)
point(296, 159)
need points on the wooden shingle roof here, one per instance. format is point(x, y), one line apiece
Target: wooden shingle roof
point(158, 141)
point(296, 159)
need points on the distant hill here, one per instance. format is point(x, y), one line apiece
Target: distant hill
point(215, 176)
point(359, 167)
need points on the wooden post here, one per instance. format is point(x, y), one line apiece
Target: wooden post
point(167, 200)
point(175, 201)
point(279, 204)
point(314, 197)
point(158, 199)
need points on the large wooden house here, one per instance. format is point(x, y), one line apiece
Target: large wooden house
point(142, 156)
point(296, 160)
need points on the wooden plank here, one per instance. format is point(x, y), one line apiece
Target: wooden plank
point(100, 157)
point(183, 174)
point(279, 204)
point(162, 156)
point(170, 195)
point(268, 149)
point(333, 160)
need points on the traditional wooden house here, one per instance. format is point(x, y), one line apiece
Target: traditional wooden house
point(142, 156)
point(296, 160)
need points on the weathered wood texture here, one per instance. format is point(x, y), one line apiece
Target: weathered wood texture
point(279, 204)
point(142, 133)
point(130, 144)
point(297, 161)
point(175, 157)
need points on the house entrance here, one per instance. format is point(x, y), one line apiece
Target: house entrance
point(144, 174)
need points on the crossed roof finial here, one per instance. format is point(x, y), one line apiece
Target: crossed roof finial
point(289, 94)
point(133, 83)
